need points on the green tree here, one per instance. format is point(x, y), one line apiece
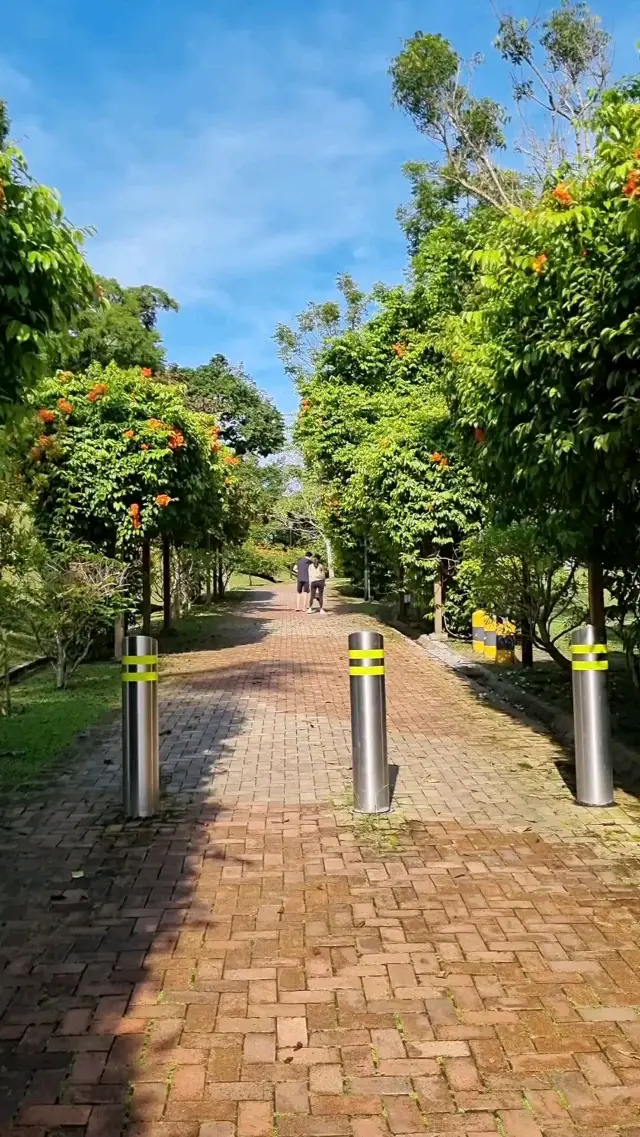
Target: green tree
point(376, 428)
point(119, 326)
point(523, 571)
point(249, 422)
point(116, 457)
point(300, 347)
point(559, 65)
point(66, 600)
point(44, 278)
point(549, 362)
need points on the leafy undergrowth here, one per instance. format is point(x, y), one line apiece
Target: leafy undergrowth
point(45, 721)
point(548, 682)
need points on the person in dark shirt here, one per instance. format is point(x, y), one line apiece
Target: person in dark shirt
point(302, 573)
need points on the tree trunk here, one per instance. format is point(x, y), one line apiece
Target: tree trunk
point(596, 598)
point(330, 561)
point(118, 636)
point(208, 576)
point(527, 643)
point(215, 575)
point(438, 603)
point(7, 676)
point(220, 575)
point(166, 584)
point(146, 587)
point(60, 667)
point(367, 584)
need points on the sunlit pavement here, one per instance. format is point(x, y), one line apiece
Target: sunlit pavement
point(256, 962)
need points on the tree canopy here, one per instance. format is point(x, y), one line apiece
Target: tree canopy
point(116, 457)
point(44, 277)
point(249, 421)
point(118, 326)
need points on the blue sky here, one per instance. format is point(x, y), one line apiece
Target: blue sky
point(238, 154)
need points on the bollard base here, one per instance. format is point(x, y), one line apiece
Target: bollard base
point(371, 812)
point(596, 804)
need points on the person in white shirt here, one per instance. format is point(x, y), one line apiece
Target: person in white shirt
point(317, 578)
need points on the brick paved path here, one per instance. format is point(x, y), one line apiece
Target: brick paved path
point(255, 963)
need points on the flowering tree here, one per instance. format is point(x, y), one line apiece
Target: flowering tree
point(117, 459)
point(549, 365)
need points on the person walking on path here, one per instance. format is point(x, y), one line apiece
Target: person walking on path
point(317, 578)
point(302, 573)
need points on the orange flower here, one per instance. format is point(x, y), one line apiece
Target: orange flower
point(156, 424)
point(129, 434)
point(231, 460)
point(66, 374)
point(176, 441)
point(134, 513)
point(436, 456)
point(227, 481)
point(163, 499)
point(47, 416)
point(147, 372)
point(65, 406)
point(144, 446)
point(35, 453)
point(305, 405)
point(400, 349)
point(444, 461)
point(479, 434)
point(562, 194)
point(96, 392)
point(215, 446)
point(633, 184)
point(637, 154)
point(214, 431)
point(45, 441)
point(539, 262)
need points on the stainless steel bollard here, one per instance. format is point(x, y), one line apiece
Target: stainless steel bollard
point(589, 665)
point(140, 747)
point(368, 723)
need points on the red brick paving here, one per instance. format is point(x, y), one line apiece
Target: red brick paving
point(253, 964)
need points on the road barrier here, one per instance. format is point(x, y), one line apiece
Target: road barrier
point(140, 744)
point(478, 621)
point(589, 666)
point(371, 792)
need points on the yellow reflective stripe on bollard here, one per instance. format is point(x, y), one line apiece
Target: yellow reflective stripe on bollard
point(367, 653)
point(589, 649)
point(138, 676)
point(590, 665)
point(139, 659)
point(366, 670)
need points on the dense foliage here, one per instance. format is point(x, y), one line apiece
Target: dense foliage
point(119, 326)
point(249, 422)
point(116, 457)
point(550, 356)
point(44, 278)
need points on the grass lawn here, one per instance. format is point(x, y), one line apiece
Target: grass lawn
point(22, 649)
point(45, 721)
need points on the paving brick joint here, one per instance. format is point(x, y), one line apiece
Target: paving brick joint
point(255, 963)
